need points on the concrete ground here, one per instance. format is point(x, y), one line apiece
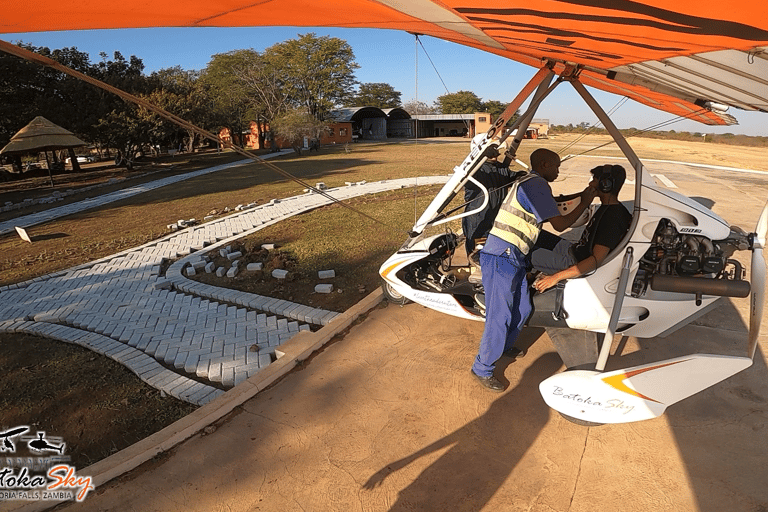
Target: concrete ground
point(388, 418)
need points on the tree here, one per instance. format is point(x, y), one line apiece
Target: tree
point(296, 124)
point(119, 124)
point(414, 107)
point(462, 102)
point(21, 87)
point(266, 91)
point(495, 108)
point(179, 92)
point(379, 95)
point(229, 96)
point(318, 71)
point(32, 90)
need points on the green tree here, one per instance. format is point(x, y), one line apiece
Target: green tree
point(119, 125)
point(229, 96)
point(179, 92)
point(32, 90)
point(379, 95)
point(495, 108)
point(319, 72)
point(462, 102)
point(264, 83)
point(22, 85)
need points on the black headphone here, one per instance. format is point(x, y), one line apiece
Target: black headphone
point(606, 181)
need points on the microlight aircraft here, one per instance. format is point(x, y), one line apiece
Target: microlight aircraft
point(691, 59)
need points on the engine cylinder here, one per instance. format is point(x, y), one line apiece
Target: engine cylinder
point(700, 285)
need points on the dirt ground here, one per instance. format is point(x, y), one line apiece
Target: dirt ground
point(349, 285)
point(93, 403)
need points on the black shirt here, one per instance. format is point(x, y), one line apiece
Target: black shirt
point(607, 227)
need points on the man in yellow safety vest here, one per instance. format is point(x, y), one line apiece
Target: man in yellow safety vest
point(504, 259)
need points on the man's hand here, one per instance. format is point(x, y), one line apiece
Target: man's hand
point(545, 282)
point(588, 194)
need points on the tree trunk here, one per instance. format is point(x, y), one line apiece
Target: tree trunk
point(73, 159)
point(191, 141)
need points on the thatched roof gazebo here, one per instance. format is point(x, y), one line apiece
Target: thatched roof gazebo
point(41, 135)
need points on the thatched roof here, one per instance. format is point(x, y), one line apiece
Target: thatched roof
point(41, 135)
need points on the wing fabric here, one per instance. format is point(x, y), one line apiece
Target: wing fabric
point(690, 58)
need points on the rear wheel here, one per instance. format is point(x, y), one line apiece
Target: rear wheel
point(393, 295)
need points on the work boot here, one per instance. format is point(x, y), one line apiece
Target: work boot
point(491, 382)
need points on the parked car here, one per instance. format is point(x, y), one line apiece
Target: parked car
point(82, 160)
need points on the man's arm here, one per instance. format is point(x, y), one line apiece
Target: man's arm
point(563, 222)
point(583, 267)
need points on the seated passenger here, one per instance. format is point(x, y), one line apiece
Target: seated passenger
point(561, 259)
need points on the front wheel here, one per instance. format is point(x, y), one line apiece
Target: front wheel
point(393, 295)
point(582, 423)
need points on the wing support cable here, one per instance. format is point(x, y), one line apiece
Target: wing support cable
point(418, 40)
point(50, 63)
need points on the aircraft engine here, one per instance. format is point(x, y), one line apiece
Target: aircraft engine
point(693, 264)
point(432, 273)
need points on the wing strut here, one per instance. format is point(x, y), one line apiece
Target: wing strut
point(618, 302)
point(757, 281)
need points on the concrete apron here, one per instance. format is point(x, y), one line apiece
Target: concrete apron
point(389, 418)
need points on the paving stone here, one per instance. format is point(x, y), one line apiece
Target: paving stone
point(279, 273)
point(265, 359)
point(214, 371)
point(170, 355)
point(228, 377)
point(124, 297)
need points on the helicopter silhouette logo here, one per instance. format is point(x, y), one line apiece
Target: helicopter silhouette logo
point(41, 445)
point(8, 435)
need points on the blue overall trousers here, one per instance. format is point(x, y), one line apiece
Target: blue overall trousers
point(507, 303)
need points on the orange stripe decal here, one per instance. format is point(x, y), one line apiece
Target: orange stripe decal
point(389, 269)
point(617, 381)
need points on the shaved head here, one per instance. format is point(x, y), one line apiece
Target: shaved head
point(546, 163)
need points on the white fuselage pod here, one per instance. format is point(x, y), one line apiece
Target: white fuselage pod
point(443, 302)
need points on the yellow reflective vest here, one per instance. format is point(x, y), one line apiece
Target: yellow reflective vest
point(515, 224)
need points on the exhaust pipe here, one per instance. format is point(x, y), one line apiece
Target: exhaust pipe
point(700, 285)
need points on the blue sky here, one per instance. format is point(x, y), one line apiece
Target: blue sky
point(384, 56)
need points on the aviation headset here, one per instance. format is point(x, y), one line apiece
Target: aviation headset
point(606, 181)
